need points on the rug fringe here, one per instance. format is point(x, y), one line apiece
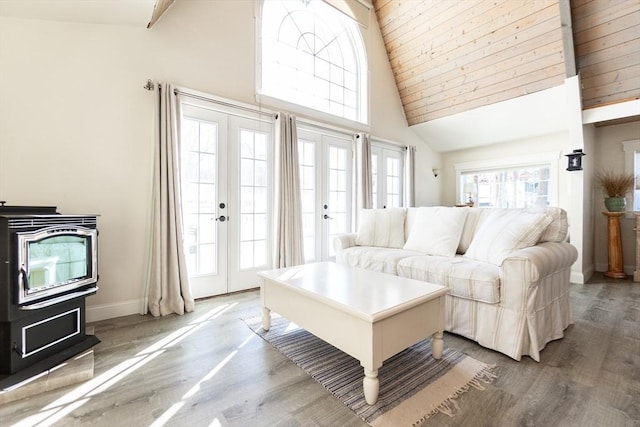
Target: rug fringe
point(485, 376)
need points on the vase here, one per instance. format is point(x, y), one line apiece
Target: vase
point(615, 204)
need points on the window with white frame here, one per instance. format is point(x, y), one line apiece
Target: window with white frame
point(632, 166)
point(387, 166)
point(509, 183)
point(313, 55)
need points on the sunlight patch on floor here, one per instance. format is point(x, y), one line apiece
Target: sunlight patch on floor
point(81, 394)
point(165, 417)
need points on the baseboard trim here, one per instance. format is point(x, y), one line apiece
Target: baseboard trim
point(577, 277)
point(109, 311)
point(628, 269)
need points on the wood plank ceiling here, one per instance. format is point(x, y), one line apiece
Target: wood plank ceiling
point(450, 56)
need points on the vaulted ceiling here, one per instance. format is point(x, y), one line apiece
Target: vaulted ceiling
point(453, 56)
point(449, 57)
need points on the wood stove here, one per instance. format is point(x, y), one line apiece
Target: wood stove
point(48, 266)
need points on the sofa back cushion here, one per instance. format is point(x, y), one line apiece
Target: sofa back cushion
point(475, 217)
point(556, 231)
point(504, 231)
point(436, 230)
point(381, 227)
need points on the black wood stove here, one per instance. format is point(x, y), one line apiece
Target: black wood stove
point(48, 266)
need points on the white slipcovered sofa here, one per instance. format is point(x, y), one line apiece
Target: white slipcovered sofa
point(507, 270)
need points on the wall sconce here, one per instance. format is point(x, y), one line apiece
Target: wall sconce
point(435, 171)
point(575, 160)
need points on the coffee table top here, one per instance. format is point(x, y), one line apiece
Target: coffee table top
point(370, 295)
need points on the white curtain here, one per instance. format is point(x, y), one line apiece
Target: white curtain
point(167, 289)
point(288, 235)
point(409, 177)
point(363, 196)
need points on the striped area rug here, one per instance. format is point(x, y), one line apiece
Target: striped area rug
point(413, 385)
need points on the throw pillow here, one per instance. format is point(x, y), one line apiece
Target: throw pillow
point(436, 231)
point(505, 231)
point(381, 227)
point(558, 230)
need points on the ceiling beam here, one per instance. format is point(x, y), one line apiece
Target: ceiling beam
point(567, 38)
point(159, 9)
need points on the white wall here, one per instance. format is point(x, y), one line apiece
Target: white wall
point(76, 128)
point(609, 154)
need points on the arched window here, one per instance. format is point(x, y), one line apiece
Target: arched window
point(313, 55)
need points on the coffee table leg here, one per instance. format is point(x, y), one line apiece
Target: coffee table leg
point(371, 386)
point(266, 318)
point(437, 345)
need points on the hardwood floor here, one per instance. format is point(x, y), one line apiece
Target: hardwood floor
point(207, 369)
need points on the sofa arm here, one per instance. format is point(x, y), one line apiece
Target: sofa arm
point(344, 241)
point(526, 269)
point(544, 259)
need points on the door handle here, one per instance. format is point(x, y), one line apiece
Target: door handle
point(327, 216)
point(222, 218)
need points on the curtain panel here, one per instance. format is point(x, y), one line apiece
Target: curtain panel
point(167, 289)
point(409, 177)
point(363, 194)
point(288, 232)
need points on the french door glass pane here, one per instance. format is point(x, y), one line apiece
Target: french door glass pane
point(393, 182)
point(199, 189)
point(253, 199)
point(338, 194)
point(636, 188)
point(374, 179)
point(306, 158)
point(387, 176)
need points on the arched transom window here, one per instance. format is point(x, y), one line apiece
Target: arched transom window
point(313, 55)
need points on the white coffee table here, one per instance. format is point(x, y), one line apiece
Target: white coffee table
point(370, 316)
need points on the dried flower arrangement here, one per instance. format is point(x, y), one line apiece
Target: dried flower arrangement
point(614, 184)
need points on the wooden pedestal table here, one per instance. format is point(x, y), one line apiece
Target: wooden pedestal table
point(636, 272)
point(370, 316)
point(614, 246)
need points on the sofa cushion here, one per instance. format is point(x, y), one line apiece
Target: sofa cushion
point(558, 230)
point(381, 227)
point(505, 231)
point(436, 230)
point(475, 217)
point(465, 278)
point(383, 260)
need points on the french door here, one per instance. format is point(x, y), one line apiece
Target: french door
point(325, 177)
point(225, 178)
point(387, 173)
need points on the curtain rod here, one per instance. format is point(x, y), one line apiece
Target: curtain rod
point(345, 132)
point(230, 104)
point(268, 112)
